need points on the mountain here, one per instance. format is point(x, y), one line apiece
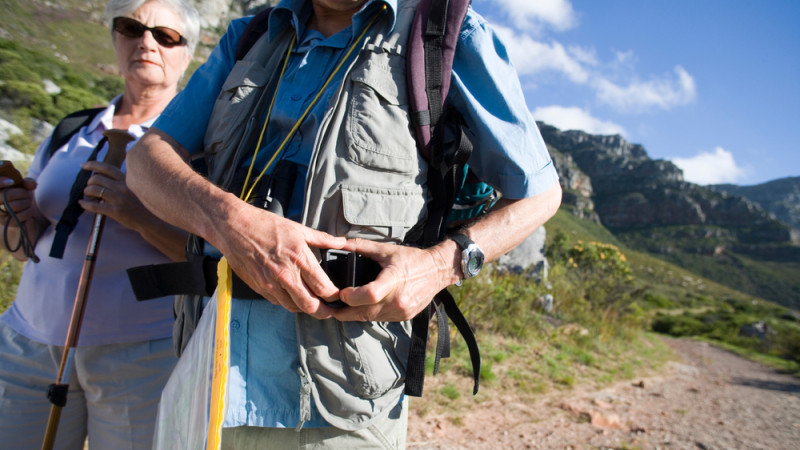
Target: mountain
point(647, 205)
point(780, 197)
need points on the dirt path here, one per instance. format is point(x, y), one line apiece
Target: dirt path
point(710, 399)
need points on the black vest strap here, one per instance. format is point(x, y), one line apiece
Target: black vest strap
point(415, 367)
point(462, 325)
point(195, 277)
point(198, 276)
point(69, 218)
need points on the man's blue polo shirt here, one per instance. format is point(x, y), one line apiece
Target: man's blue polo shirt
point(509, 154)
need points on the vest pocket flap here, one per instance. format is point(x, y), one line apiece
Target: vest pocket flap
point(380, 76)
point(388, 207)
point(245, 73)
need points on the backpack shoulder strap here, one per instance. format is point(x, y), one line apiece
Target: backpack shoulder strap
point(431, 49)
point(252, 32)
point(68, 126)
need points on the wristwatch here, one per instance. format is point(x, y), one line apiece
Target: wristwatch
point(471, 255)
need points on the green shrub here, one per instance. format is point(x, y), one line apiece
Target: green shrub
point(109, 87)
point(785, 341)
point(678, 325)
point(73, 99)
point(30, 99)
point(10, 272)
point(17, 70)
point(658, 301)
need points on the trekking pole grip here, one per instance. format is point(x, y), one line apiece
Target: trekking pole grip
point(117, 146)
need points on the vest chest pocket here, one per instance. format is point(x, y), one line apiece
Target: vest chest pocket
point(377, 124)
point(245, 77)
point(234, 105)
point(382, 214)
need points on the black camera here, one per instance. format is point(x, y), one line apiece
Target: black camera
point(348, 269)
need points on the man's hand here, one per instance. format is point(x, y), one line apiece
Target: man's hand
point(408, 282)
point(273, 256)
point(411, 277)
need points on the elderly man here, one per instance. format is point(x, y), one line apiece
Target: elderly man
point(310, 92)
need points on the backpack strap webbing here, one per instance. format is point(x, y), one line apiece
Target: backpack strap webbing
point(61, 135)
point(431, 50)
point(68, 126)
point(72, 212)
point(446, 308)
point(443, 143)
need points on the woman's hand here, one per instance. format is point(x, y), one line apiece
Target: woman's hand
point(18, 199)
point(107, 193)
point(18, 208)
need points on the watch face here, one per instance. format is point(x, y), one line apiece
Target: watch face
point(475, 263)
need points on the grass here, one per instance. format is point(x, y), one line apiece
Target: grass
point(10, 271)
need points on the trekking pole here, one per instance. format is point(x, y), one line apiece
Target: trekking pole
point(57, 393)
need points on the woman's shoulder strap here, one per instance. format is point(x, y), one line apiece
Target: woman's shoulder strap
point(70, 125)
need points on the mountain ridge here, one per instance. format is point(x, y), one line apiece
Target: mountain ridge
point(648, 205)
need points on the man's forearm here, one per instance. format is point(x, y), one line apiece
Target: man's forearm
point(506, 226)
point(161, 178)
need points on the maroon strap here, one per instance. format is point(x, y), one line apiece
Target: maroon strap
point(431, 49)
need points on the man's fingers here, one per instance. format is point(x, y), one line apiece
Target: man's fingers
point(373, 292)
point(371, 249)
point(320, 239)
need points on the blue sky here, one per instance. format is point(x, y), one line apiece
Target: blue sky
point(712, 85)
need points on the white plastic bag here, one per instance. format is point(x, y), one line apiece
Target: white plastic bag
point(182, 421)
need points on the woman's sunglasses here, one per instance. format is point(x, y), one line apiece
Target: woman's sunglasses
point(132, 28)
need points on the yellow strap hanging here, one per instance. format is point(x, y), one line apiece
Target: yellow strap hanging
point(221, 356)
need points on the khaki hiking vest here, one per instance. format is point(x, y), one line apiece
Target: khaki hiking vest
point(365, 179)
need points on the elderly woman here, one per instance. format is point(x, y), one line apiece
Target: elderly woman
point(124, 354)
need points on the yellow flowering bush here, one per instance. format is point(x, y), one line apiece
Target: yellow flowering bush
point(599, 258)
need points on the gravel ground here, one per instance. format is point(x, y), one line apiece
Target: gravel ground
point(708, 399)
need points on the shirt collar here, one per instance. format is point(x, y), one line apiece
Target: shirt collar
point(295, 13)
point(105, 120)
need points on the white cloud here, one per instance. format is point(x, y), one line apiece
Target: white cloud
point(615, 82)
point(574, 118)
point(527, 14)
point(665, 92)
point(530, 56)
point(710, 167)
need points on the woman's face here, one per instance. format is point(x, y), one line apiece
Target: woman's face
point(144, 62)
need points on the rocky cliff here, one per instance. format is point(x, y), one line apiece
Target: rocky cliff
point(631, 191)
point(648, 205)
point(780, 197)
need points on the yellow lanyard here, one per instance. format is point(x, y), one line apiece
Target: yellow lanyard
point(302, 117)
point(219, 380)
